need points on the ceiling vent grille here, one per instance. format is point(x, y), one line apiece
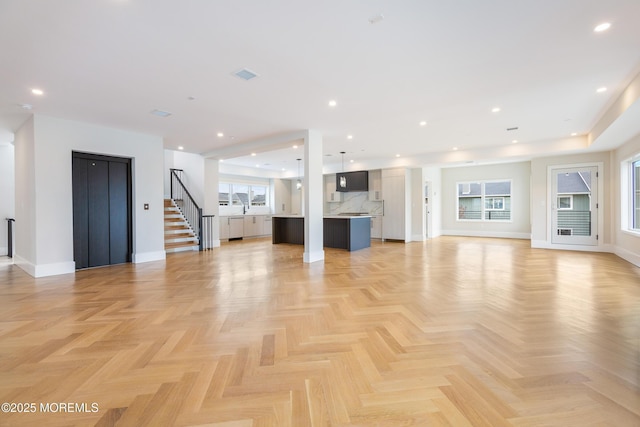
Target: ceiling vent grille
point(245, 74)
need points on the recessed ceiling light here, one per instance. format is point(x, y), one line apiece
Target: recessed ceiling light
point(515, 141)
point(423, 123)
point(455, 148)
point(332, 103)
point(295, 146)
point(495, 109)
point(574, 134)
point(37, 91)
point(220, 134)
point(397, 155)
point(245, 74)
point(601, 89)
point(180, 147)
point(602, 27)
point(351, 161)
point(160, 113)
point(349, 136)
point(257, 166)
point(253, 154)
point(376, 18)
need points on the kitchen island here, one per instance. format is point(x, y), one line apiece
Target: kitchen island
point(350, 232)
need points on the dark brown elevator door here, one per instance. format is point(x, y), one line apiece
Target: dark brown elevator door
point(101, 210)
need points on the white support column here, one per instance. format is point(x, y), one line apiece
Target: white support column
point(313, 197)
point(211, 202)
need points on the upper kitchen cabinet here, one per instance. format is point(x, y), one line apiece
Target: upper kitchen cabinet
point(375, 185)
point(331, 195)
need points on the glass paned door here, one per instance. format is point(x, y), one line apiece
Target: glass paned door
point(574, 206)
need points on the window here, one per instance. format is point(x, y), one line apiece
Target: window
point(234, 194)
point(635, 195)
point(565, 203)
point(630, 195)
point(484, 201)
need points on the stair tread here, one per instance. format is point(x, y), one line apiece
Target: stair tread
point(174, 245)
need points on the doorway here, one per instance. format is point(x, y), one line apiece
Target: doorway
point(574, 204)
point(101, 210)
point(427, 209)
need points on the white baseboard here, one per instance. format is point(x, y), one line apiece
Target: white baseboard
point(44, 270)
point(310, 257)
point(498, 234)
point(627, 255)
point(138, 258)
point(418, 238)
point(4, 251)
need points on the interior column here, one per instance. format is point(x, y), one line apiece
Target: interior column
point(313, 197)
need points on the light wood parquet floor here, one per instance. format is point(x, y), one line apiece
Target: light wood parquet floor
point(449, 332)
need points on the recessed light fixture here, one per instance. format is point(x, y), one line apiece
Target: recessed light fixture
point(455, 148)
point(351, 161)
point(349, 136)
point(37, 91)
point(495, 109)
point(220, 134)
point(376, 18)
point(180, 147)
point(602, 27)
point(332, 103)
point(423, 123)
point(160, 113)
point(295, 146)
point(601, 89)
point(253, 154)
point(397, 155)
point(574, 134)
point(245, 74)
point(515, 141)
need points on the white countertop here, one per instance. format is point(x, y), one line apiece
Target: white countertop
point(325, 216)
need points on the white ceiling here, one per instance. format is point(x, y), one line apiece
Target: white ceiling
point(448, 63)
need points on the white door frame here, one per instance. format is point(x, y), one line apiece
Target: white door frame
point(599, 214)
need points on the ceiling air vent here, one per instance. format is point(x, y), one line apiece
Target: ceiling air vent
point(514, 128)
point(245, 74)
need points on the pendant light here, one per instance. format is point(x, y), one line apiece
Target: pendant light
point(299, 182)
point(343, 179)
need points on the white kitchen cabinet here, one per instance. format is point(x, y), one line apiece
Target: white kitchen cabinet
point(224, 228)
point(393, 220)
point(231, 227)
point(253, 225)
point(376, 227)
point(375, 185)
point(236, 227)
point(268, 226)
point(331, 195)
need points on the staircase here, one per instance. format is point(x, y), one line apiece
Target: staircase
point(178, 235)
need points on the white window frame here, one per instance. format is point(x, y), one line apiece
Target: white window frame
point(628, 197)
point(493, 204)
point(565, 196)
point(466, 189)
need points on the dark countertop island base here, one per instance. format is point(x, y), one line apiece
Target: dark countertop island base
point(348, 232)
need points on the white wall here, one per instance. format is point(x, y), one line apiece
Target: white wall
point(540, 230)
point(192, 176)
point(627, 245)
point(25, 195)
point(43, 149)
point(518, 173)
point(7, 192)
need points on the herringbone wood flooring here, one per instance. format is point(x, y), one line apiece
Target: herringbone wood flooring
point(449, 332)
